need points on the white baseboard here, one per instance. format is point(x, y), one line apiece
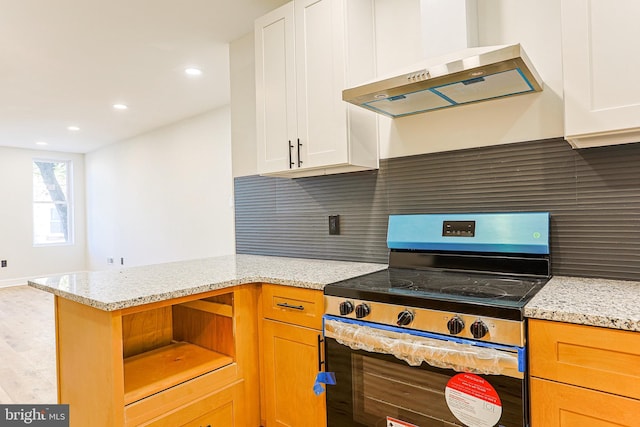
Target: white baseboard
point(13, 282)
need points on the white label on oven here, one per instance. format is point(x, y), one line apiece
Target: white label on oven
point(392, 422)
point(473, 401)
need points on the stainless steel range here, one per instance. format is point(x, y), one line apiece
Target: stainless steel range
point(438, 339)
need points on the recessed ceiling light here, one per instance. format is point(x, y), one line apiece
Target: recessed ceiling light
point(193, 71)
point(41, 143)
point(120, 107)
point(73, 128)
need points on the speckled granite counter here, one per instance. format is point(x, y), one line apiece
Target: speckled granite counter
point(116, 289)
point(595, 302)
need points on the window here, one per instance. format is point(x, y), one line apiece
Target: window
point(52, 209)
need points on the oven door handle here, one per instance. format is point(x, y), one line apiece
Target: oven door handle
point(320, 358)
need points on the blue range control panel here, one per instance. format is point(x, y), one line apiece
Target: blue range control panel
point(518, 232)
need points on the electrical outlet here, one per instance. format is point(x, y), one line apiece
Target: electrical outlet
point(121, 261)
point(109, 260)
point(334, 224)
point(3, 263)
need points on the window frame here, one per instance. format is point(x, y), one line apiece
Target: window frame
point(69, 203)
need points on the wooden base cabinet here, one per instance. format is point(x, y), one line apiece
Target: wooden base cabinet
point(291, 365)
point(191, 361)
point(583, 375)
point(558, 404)
point(292, 356)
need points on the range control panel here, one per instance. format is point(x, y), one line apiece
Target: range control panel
point(497, 331)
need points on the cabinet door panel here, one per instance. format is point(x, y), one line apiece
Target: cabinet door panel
point(320, 33)
point(556, 404)
point(275, 88)
point(597, 358)
point(600, 90)
point(291, 364)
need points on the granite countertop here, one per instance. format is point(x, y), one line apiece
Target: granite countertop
point(611, 304)
point(606, 303)
point(111, 290)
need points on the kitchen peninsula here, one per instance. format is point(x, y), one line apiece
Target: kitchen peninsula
point(175, 343)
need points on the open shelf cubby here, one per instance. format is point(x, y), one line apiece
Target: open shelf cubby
point(169, 345)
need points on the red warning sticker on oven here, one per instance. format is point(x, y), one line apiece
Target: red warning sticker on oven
point(473, 401)
point(392, 422)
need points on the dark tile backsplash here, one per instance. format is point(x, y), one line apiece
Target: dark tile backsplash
point(593, 196)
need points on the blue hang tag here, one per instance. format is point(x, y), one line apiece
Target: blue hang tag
point(323, 378)
point(326, 378)
point(318, 389)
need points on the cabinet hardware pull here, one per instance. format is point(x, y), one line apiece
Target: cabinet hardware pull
point(295, 307)
point(299, 161)
point(320, 361)
point(290, 159)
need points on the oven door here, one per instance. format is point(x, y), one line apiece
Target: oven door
point(438, 382)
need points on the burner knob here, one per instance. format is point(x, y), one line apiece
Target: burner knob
point(346, 307)
point(362, 310)
point(479, 329)
point(455, 325)
point(404, 318)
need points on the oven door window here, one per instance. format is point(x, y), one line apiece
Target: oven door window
point(372, 387)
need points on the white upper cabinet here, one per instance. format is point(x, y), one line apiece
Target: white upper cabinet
point(275, 88)
point(600, 44)
point(307, 52)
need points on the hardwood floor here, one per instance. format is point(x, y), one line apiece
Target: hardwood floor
point(27, 346)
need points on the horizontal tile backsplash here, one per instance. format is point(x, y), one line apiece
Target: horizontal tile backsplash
point(593, 196)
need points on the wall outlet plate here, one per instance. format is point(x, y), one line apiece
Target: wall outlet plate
point(334, 224)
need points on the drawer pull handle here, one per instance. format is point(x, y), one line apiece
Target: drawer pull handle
point(295, 307)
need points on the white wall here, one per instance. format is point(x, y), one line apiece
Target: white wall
point(24, 261)
point(399, 33)
point(162, 196)
point(243, 106)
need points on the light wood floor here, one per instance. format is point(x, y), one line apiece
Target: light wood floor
point(27, 346)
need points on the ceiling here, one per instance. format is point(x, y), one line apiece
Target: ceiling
point(66, 62)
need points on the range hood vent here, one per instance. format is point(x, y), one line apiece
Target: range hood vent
point(471, 75)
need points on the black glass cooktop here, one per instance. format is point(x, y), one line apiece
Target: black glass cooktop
point(473, 293)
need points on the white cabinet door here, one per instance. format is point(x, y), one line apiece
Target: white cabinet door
point(600, 43)
point(307, 51)
point(275, 89)
point(320, 71)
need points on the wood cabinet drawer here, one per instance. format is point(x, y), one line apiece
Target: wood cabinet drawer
point(587, 356)
point(216, 409)
point(563, 405)
point(179, 396)
point(298, 306)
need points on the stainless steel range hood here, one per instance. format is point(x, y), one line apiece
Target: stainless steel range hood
point(471, 75)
